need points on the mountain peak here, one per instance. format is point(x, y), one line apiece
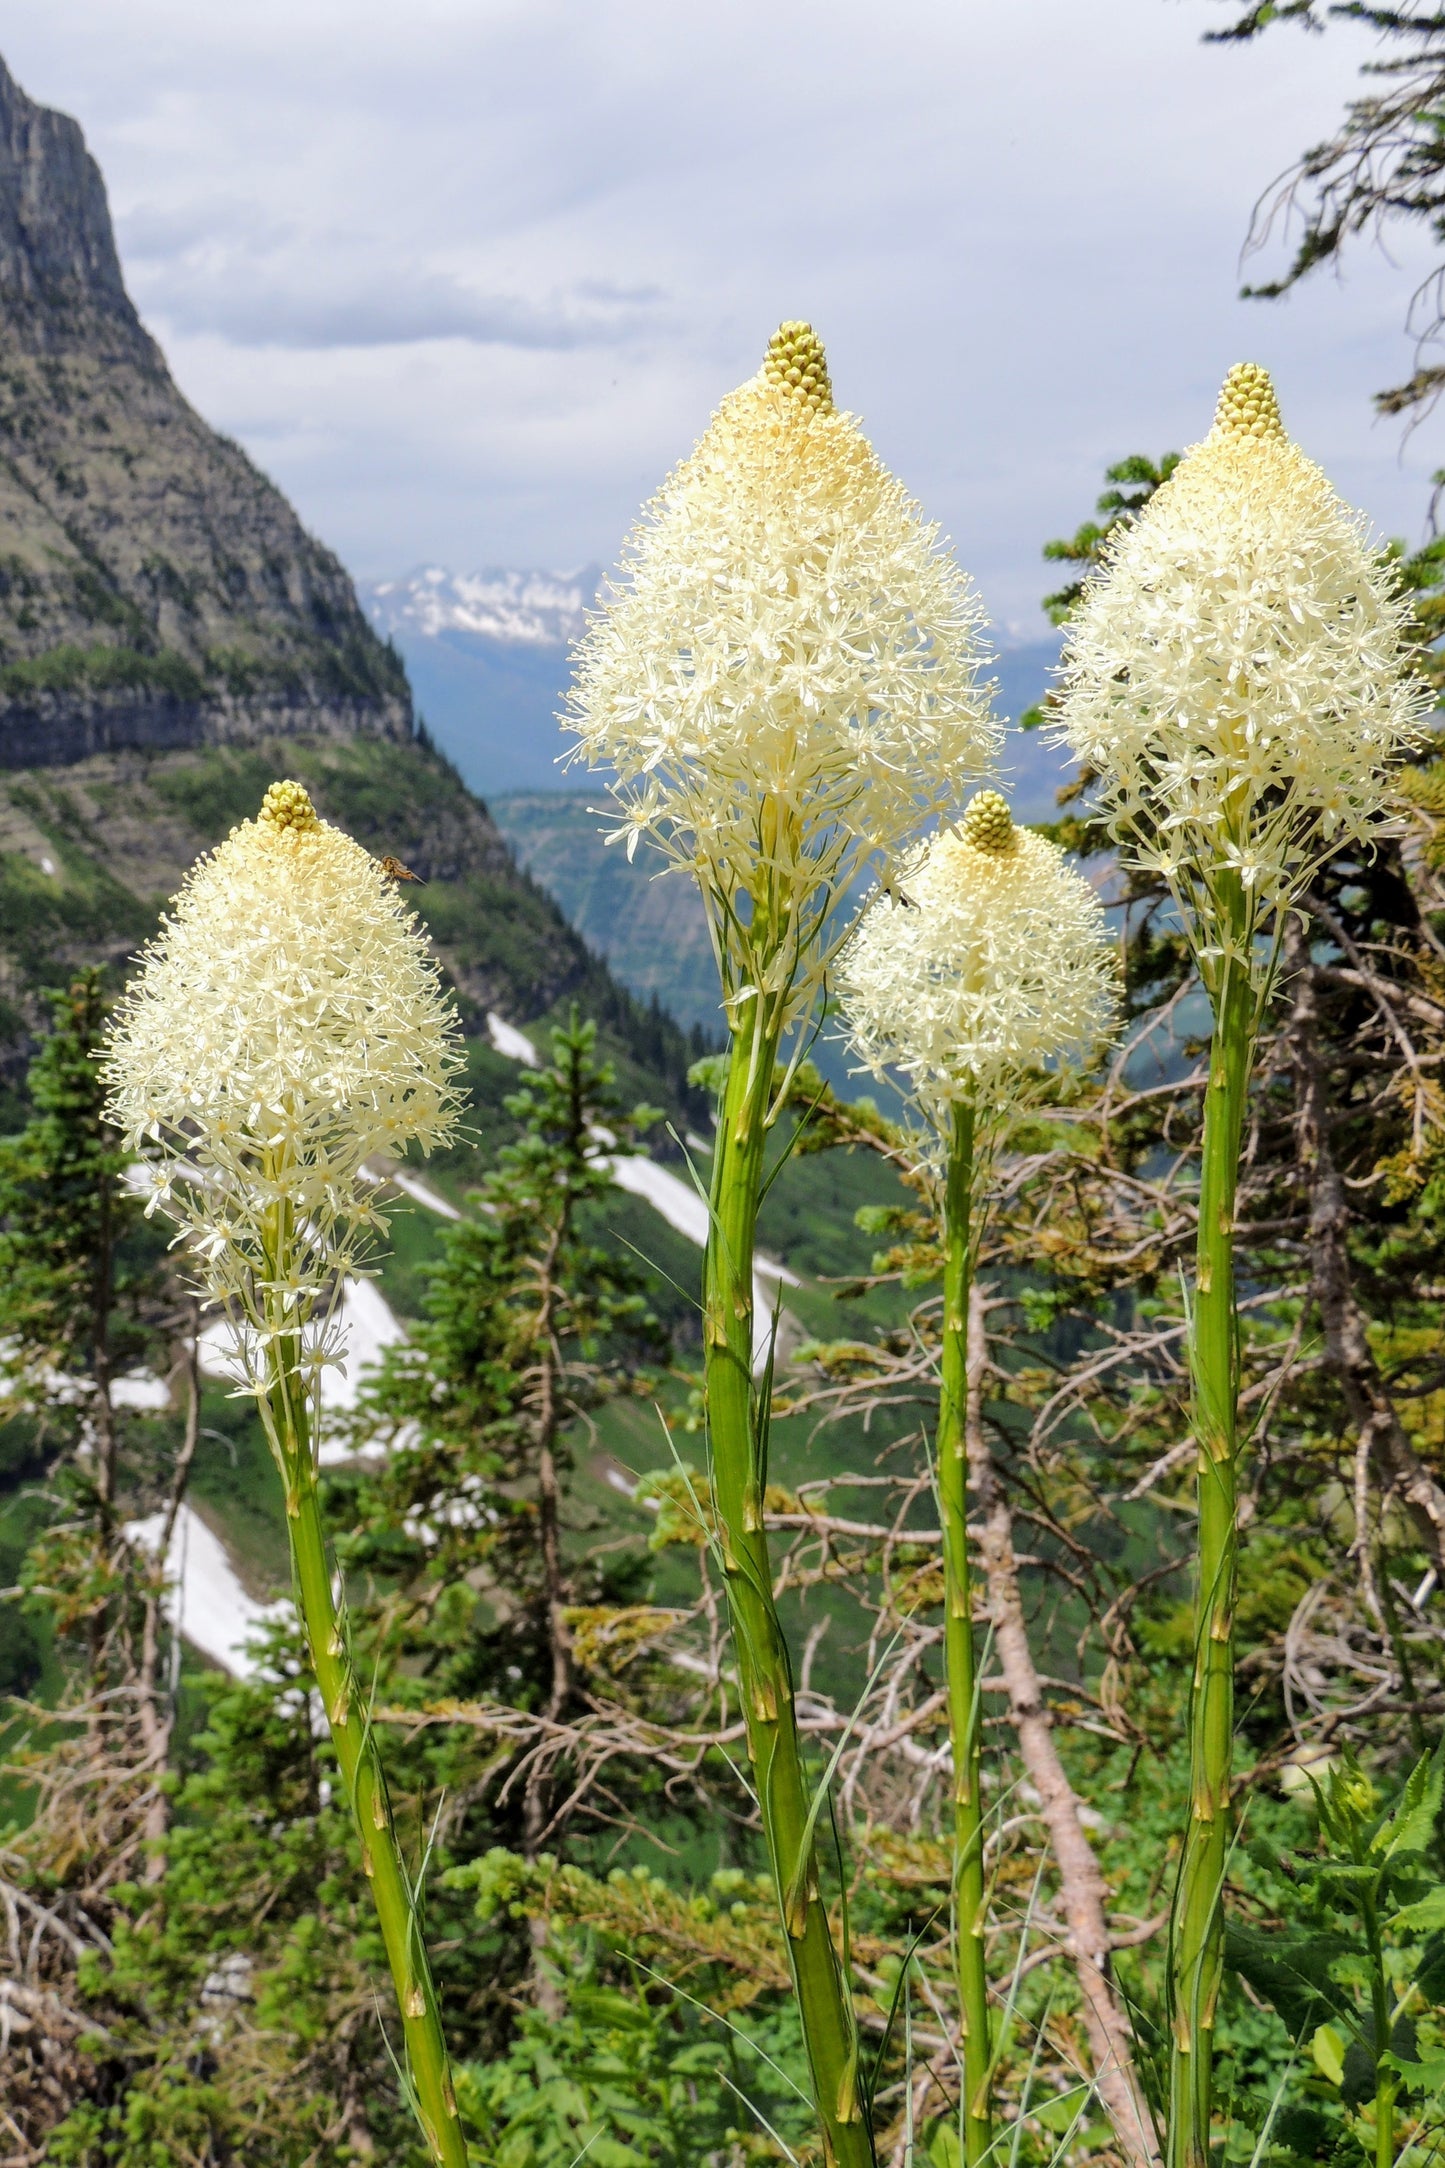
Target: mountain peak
point(155, 588)
point(522, 608)
point(56, 239)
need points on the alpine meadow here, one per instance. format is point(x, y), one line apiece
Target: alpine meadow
point(857, 1579)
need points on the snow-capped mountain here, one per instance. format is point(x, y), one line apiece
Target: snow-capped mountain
point(518, 608)
point(487, 655)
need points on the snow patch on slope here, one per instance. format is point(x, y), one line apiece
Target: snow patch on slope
point(422, 1193)
point(514, 1044)
point(205, 1600)
point(680, 1205)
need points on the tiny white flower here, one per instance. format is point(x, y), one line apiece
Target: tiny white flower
point(988, 963)
point(1237, 675)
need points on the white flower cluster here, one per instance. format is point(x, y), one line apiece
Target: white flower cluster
point(286, 1023)
point(1236, 672)
point(987, 963)
point(788, 674)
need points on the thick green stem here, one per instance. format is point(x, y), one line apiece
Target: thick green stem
point(764, 1671)
point(356, 1750)
point(1387, 2082)
point(1197, 1925)
point(958, 1645)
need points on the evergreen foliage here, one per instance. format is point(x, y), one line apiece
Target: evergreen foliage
point(532, 1324)
point(1384, 162)
point(1134, 481)
point(81, 1302)
point(546, 1660)
point(63, 1213)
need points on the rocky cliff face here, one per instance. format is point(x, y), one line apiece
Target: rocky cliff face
point(155, 589)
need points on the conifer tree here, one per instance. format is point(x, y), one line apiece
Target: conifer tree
point(532, 1321)
point(63, 1217)
point(81, 1302)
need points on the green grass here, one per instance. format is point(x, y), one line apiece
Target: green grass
point(103, 668)
point(48, 917)
point(216, 789)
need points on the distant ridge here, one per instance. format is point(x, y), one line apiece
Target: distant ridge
point(487, 656)
point(514, 607)
point(155, 588)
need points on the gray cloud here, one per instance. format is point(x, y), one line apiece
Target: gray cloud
point(216, 267)
point(471, 274)
point(165, 233)
point(386, 309)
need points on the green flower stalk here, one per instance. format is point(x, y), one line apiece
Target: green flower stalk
point(1237, 679)
point(287, 1023)
point(983, 964)
point(785, 680)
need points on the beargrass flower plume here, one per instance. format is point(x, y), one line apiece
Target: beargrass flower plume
point(785, 680)
point(286, 1024)
point(787, 674)
point(1237, 674)
point(1238, 677)
point(984, 964)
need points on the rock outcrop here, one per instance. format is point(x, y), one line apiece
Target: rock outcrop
point(156, 590)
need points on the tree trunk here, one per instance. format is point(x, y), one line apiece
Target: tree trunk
point(1081, 1882)
point(537, 1800)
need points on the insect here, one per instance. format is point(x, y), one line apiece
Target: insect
point(396, 871)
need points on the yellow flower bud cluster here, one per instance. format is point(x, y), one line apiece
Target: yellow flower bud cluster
point(286, 1023)
point(988, 825)
point(1237, 676)
point(788, 673)
point(986, 963)
point(795, 362)
point(288, 805)
point(1248, 406)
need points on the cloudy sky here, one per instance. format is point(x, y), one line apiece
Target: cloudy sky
point(466, 276)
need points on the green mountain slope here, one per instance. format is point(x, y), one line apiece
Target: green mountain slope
point(648, 923)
